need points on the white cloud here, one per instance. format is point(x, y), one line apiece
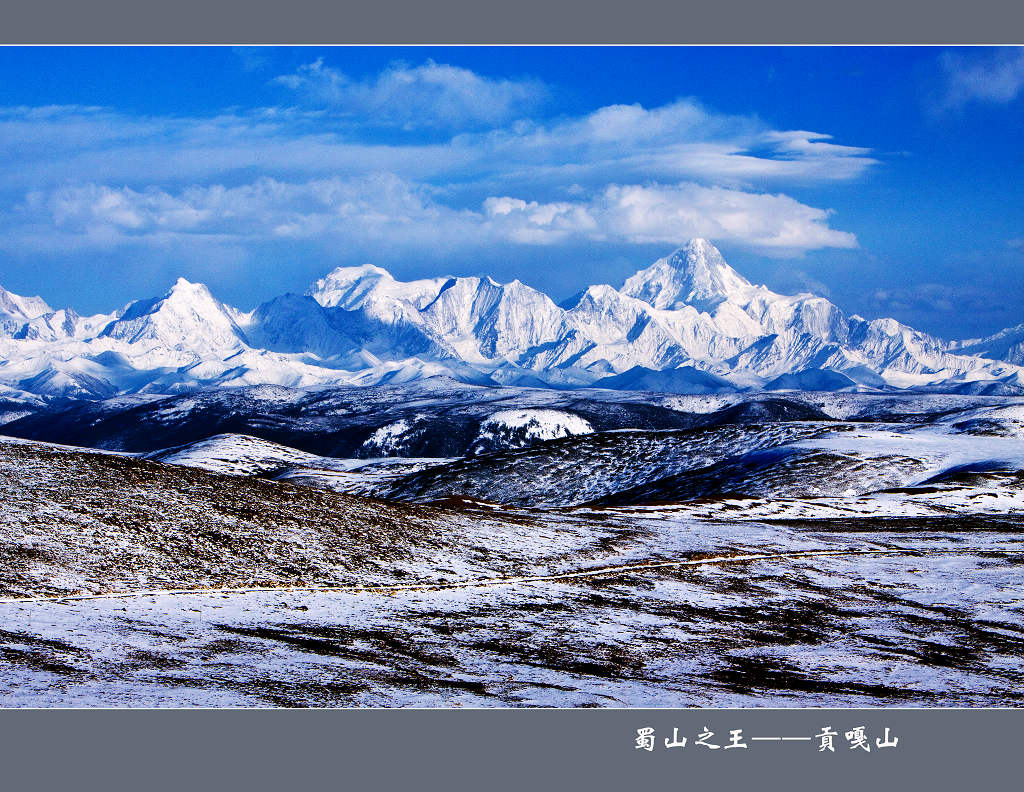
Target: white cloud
point(931, 298)
point(996, 78)
point(431, 94)
point(812, 146)
point(375, 208)
point(617, 144)
point(85, 176)
point(68, 145)
point(673, 214)
point(382, 208)
point(681, 140)
point(530, 222)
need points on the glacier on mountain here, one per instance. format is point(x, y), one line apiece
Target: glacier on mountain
point(689, 323)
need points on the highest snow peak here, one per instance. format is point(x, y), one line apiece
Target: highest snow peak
point(688, 321)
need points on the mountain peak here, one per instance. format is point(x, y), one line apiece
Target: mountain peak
point(700, 245)
point(19, 307)
point(188, 290)
point(695, 274)
point(359, 324)
point(375, 289)
point(345, 274)
point(187, 316)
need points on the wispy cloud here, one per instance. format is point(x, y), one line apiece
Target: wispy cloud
point(679, 141)
point(931, 298)
point(995, 78)
point(431, 94)
point(252, 59)
point(75, 177)
point(672, 214)
point(367, 209)
point(360, 211)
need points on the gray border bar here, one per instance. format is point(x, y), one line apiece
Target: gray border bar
point(499, 750)
point(519, 22)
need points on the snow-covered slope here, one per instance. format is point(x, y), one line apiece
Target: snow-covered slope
point(696, 275)
point(186, 319)
point(202, 589)
point(687, 323)
point(235, 454)
point(507, 429)
point(17, 309)
point(944, 467)
point(1005, 345)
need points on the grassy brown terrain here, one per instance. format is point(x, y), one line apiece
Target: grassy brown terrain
point(859, 611)
point(77, 521)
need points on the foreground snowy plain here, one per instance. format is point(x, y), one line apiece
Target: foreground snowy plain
point(938, 624)
point(770, 558)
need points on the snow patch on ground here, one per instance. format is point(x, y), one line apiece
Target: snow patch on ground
point(14, 415)
point(235, 454)
point(365, 477)
point(509, 429)
point(392, 439)
point(698, 403)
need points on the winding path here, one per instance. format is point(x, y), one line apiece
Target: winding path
point(594, 572)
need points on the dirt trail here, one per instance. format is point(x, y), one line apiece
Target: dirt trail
point(594, 572)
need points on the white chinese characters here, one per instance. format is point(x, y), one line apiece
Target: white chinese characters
point(857, 738)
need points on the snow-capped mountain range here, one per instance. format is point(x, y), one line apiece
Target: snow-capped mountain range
point(687, 323)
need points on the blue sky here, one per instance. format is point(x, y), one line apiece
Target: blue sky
point(886, 178)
